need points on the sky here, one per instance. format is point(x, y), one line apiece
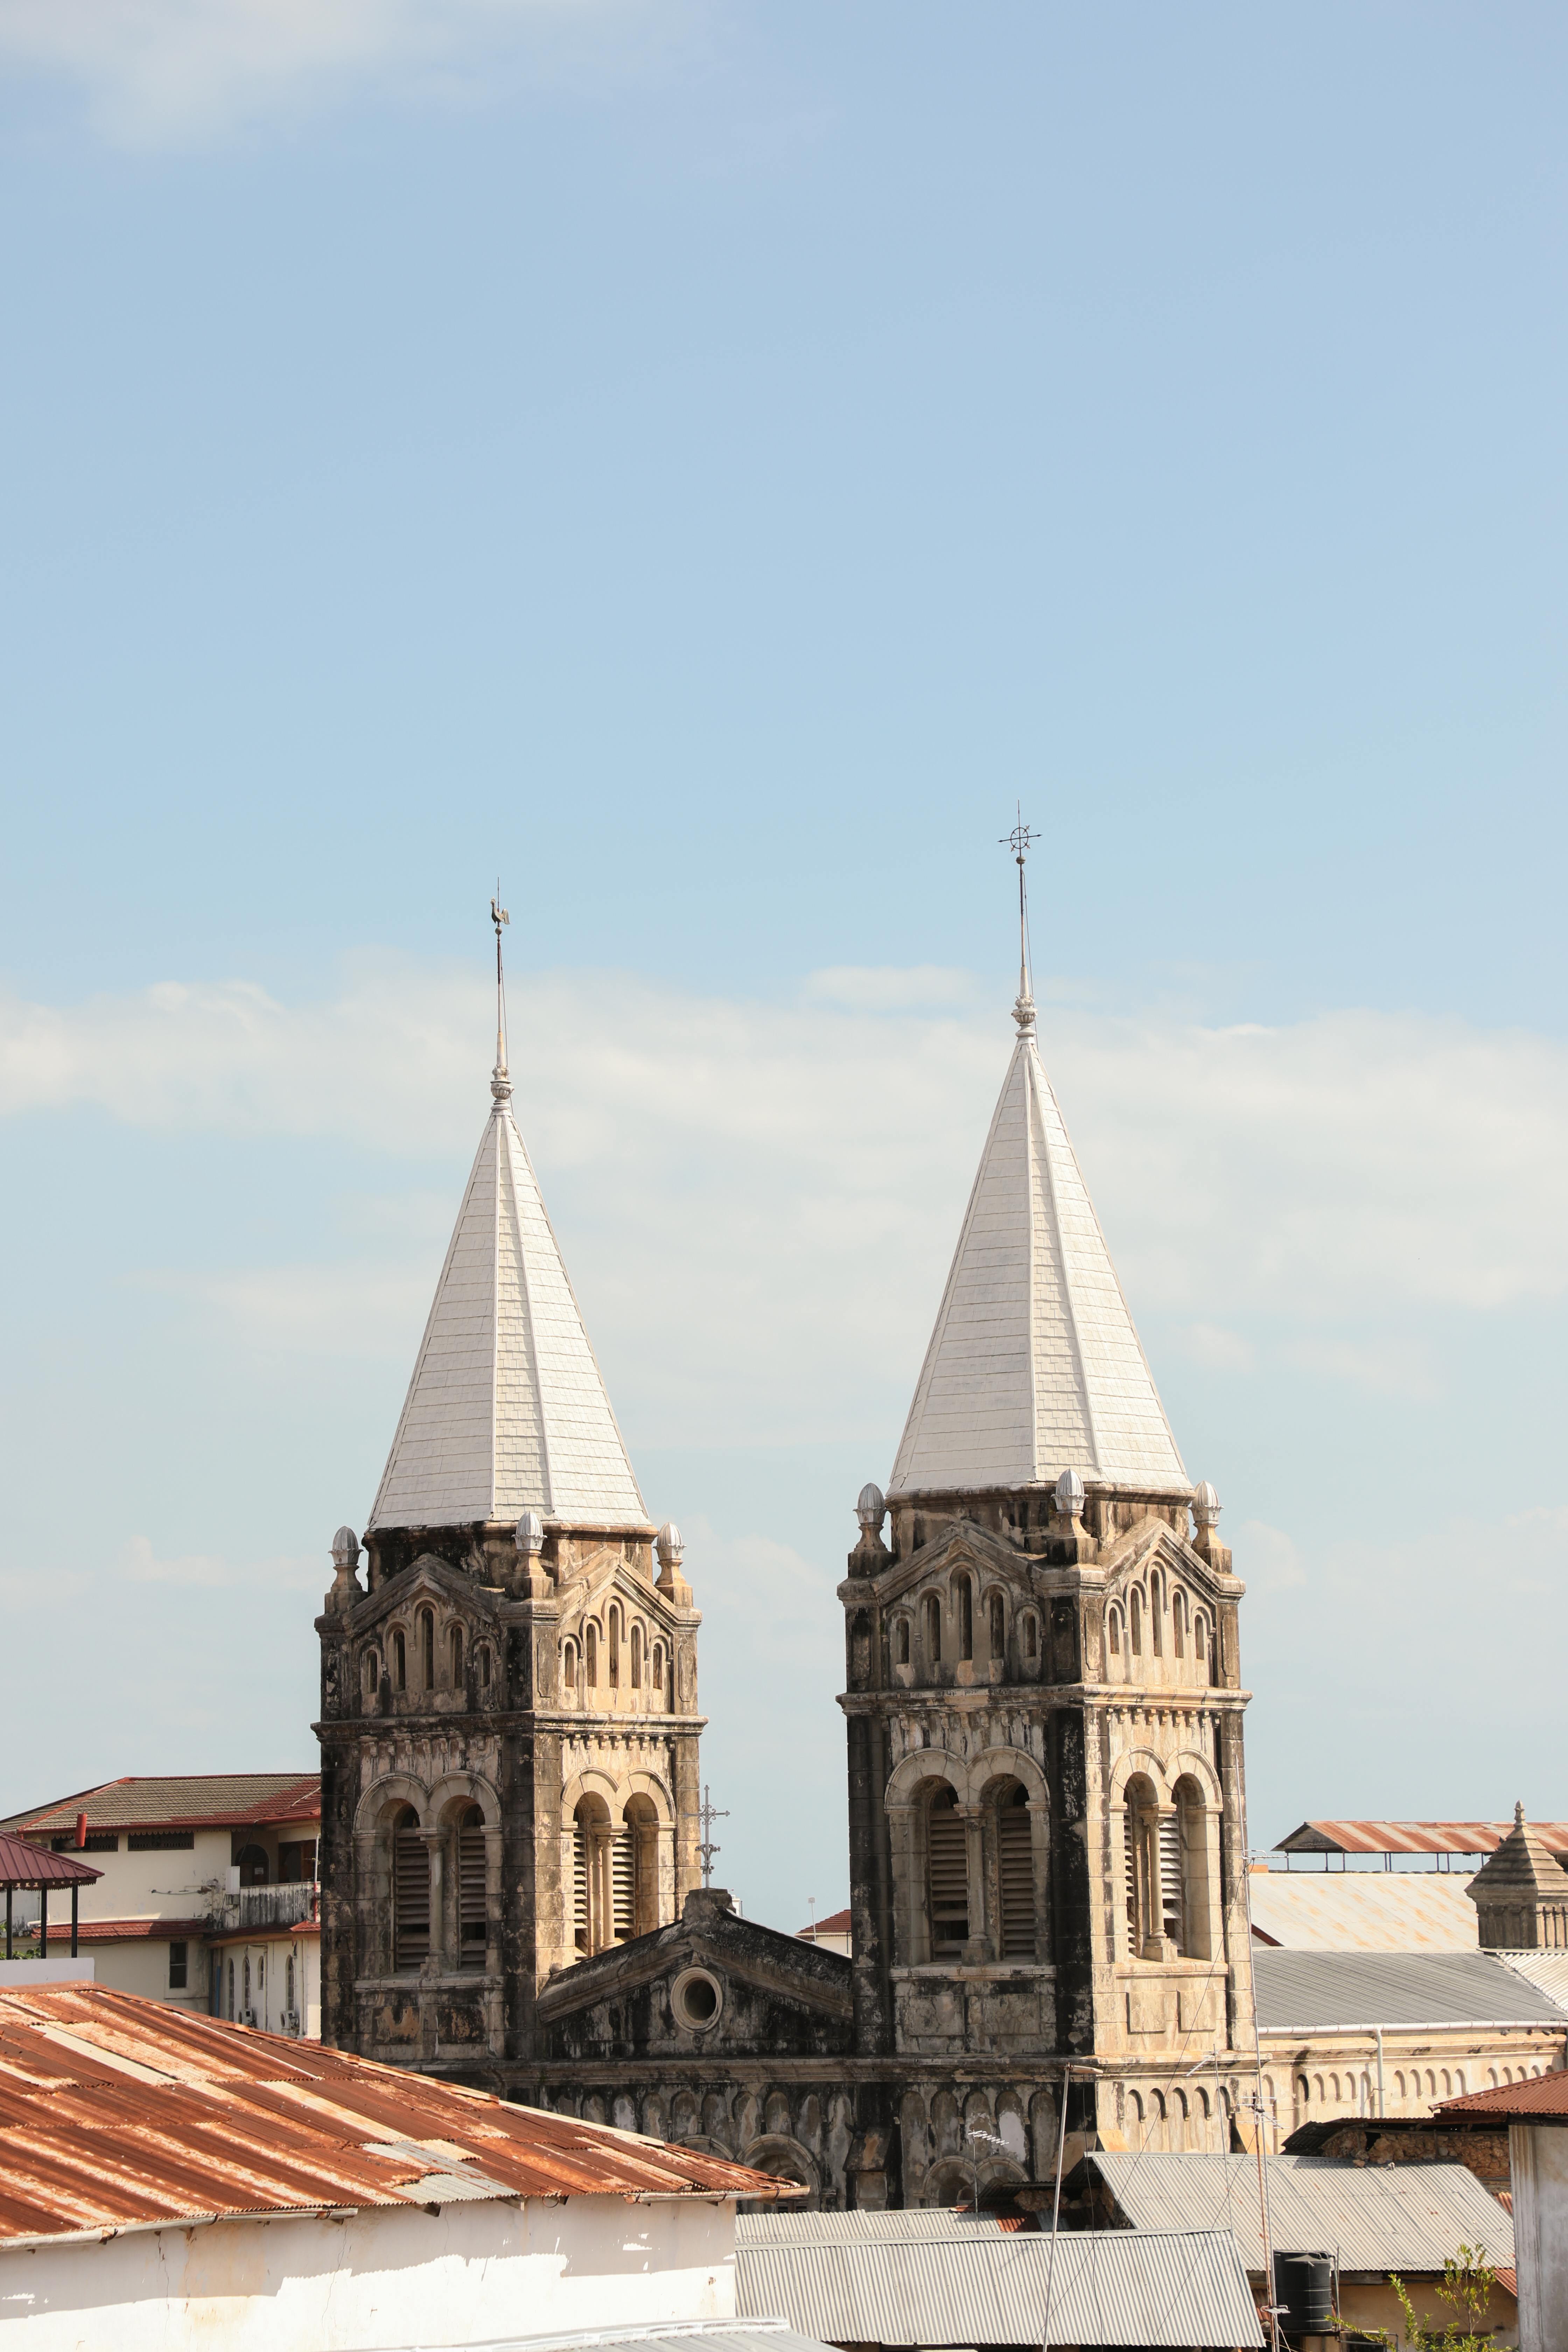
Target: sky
point(706, 465)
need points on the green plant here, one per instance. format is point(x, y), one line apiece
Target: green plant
point(1467, 2287)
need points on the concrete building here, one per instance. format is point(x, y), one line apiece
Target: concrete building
point(201, 1878)
point(1536, 2115)
point(172, 2181)
point(1044, 1718)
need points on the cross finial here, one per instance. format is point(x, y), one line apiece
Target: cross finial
point(501, 1085)
point(1020, 841)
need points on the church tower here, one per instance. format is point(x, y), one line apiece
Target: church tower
point(509, 1703)
point(1044, 1705)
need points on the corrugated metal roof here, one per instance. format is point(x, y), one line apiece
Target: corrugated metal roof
point(1547, 1971)
point(1109, 2287)
point(720, 2334)
point(1414, 1837)
point(1543, 2099)
point(181, 1800)
point(33, 1866)
point(1305, 1993)
point(938, 2221)
point(1373, 2216)
point(1362, 1910)
point(116, 2111)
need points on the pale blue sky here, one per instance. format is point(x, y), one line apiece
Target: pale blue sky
point(705, 462)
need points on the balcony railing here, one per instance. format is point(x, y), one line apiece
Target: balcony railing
point(247, 1908)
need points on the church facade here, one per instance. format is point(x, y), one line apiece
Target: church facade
point(1043, 1715)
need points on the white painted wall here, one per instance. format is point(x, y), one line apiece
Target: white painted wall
point(141, 1965)
point(1538, 2161)
point(269, 1958)
point(381, 2279)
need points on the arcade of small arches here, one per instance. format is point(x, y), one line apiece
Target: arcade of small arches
point(431, 1859)
point(1149, 1620)
point(607, 1663)
point(1353, 2090)
point(1165, 1828)
point(430, 1654)
point(961, 1630)
point(971, 1848)
point(1176, 2117)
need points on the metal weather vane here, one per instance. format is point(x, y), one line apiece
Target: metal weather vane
point(1020, 841)
point(499, 916)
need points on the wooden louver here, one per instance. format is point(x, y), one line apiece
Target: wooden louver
point(471, 1926)
point(1016, 1863)
point(410, 1899)
point(948, 1864)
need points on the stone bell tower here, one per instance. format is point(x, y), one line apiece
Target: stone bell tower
point(1044, 1710)
point(509, 1701)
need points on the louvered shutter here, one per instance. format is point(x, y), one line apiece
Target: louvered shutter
point(947, 1854)
point(471, 1927)
point(623, 1877)
point(1134, 1933)
point(411, 1899)
point(1016, 1858)
point(579, 1889)
point(1171, 1878)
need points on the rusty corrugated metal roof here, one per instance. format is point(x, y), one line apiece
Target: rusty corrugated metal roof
point(181, 1800)
point(1543, 2099)
point(116, 2111)
point(1362, 1910)
point(1414, 1837)
point(33, 1866)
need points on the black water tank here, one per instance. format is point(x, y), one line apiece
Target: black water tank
point(1304, 2291)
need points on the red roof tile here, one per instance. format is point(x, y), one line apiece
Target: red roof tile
point(182, 1801)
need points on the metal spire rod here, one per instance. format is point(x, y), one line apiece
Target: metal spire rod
point(499, 916)
point(708, 1812)
point(1020, 841)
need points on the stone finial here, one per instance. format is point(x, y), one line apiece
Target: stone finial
point(670, 1546)
point(1518, 1814)
point(531, 1535)
point(1205, 1504)
point(1068, 1497)
point(870, 1509)
point(345, 1561)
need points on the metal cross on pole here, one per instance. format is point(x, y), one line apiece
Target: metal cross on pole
point(1020, 841)
point(708, 1812)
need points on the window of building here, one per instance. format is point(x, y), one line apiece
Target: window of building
point(95, 1842)
point(931, 1632)
point(615, 1633)
point(657, 1676)
point(410, 1893)
point(1140, 1864)
point(1031, 1638)
point(569, 1669)
point(901, 1642)
point(161, 1840)
point(636, 1657)
point(244, 1992)
point(963, 1595)
point(297, 1860)
point(289, 2002)
point(253, 1868)
point(372, 1673)
point(1135, 1619)
point(399, 1660)
point(1178, 1622)
point(484, 1665)
point(998, 1629)
point(471, 1927)
point(179, 1967)
point(1189, 1870)
point(457, 1657)
point(591, 1653)
point(947, 1869)
point(231, 1992)
point(1015, 1874)
point(1113, 1622)
point(427, 1647)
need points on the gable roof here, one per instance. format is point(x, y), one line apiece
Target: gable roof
point(1414, 1837)
point(1309, 1992)
point(1034, 1367)
point(190, 1801)
point(1379, 2217)
point(1543, 2099)
point(121, 2110)
point(507, 1411)
point(1362, 1910)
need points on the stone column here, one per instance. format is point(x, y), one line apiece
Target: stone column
point(432, 1840)
point(978, 1949)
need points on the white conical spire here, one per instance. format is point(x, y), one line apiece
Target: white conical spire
point(1034, 1367)
point(507, 1411)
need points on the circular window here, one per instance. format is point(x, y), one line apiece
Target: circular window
point(697, 1997)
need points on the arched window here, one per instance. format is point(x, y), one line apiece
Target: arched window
point(484, 1665)
point(1459, 2090)
point(1015, 1874)
point(288, 1985)
point(1135, 1616)
point(997, 1629)
point(471, 1930)
point(244, 1994)
point(1031, 1638)
point(427, 1647)
point(1185, 1839)
point(615, 1630)
point(931, 1632)
point(901, 1642)
point(947, 1873)
point(964, 1596)
point(591, 1653)
point(1156, 1613)
point(569, 1669)
point(636, 1657)
point(590, 1875)
point(1141, 1865)
point(1114, 1621)
point(399, 1660)
point(457, 1657)
point(641, 1839)
point(410, 1893)
point(372, 1673)
point(656, 1677)
point(1178, 1622)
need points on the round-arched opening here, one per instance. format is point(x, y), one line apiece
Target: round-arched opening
point(697, 1998)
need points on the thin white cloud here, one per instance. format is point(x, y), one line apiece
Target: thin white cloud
point(155, 71)
point(144, 1565)
point(760, 1199)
